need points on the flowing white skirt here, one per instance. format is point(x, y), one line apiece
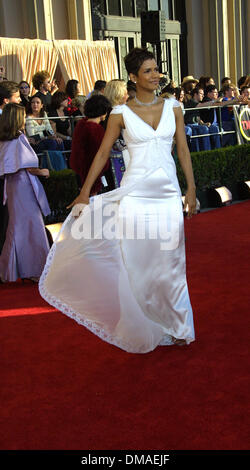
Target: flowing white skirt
point(127, 286)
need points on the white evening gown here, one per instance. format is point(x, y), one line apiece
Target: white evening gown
point(129, 290)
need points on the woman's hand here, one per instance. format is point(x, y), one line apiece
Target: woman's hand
point(78, 205)
point(190, 202)
point(58, 139)
point(44, 172)
point(53, 86)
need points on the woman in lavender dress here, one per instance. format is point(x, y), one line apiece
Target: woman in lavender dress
point(26, 246)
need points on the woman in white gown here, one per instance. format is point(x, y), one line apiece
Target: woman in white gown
point(118, 264)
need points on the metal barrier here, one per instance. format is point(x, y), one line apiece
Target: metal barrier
point(72, 119)
point(45, 153)
point(221, 132)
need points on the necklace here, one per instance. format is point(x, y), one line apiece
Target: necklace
point(146, 104)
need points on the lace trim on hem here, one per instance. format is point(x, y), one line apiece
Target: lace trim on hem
point(167, 340)
point(93, 327)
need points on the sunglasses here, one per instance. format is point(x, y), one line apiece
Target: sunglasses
point(23, 87)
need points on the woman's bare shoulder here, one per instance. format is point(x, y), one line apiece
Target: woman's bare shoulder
point(116, 119)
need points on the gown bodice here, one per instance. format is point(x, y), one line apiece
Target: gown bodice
point(149, 148)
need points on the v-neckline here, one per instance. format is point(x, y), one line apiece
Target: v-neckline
point(147, 124)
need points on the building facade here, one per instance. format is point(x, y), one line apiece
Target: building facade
point(202, 37)
point(120, 20)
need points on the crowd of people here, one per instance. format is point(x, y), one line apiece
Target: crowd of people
point(54, 130)
point(206, 128)
point(66, 122)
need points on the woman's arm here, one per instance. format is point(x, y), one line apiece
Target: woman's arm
point(29, 127)
point(47, 125)
point(115, 124)
point(58, 134)
point(185, 161)
point(53, 125)
point(38, 171)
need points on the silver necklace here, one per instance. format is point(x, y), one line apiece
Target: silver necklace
point(146, 104)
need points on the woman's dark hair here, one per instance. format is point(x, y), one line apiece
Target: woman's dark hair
point(244, 87)
point(23, 81)
point(96, 105)
point(178, 91)
point(57, 99)
point(241, 81)
point(29, 109)
point(135, 58)
point(202, 82)
point(131, 86)
point(71, 88)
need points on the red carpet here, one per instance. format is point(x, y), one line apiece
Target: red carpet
point(63, 388)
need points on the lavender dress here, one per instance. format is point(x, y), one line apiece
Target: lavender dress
point(26, 245)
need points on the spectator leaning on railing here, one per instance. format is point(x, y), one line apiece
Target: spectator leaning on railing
point(211, 116)
point(224, 81)
point(245, 92)
point(192, 119)
point(242, 81)
point(227, 116)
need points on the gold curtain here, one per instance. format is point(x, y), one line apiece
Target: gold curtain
point(22, 58)
point(87, 62)
point(84, 61)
